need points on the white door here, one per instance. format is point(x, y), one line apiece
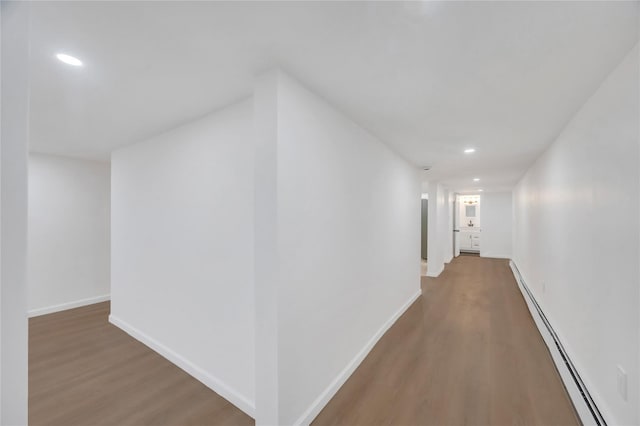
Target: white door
point(456, 226)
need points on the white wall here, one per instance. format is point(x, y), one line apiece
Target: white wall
point(440, 227)
point(435, 261)
point(68, 245)
point(348, 246)
point(496, 215)
point(182, 248)
point(13, 212)
point(576, 239)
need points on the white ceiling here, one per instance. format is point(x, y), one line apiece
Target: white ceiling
point(429, 78)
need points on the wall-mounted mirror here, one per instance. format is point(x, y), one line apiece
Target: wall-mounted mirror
point(470, 211)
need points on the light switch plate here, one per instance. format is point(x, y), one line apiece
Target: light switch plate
point(622, 383)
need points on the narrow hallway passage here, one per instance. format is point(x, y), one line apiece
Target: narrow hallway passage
point(466, 352)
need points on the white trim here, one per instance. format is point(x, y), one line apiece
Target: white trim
point(215, 384)
point(435, 274)
point(314, 409)
point(448, 259)
point(565, 374)
point(68, 305)
point(495, 256)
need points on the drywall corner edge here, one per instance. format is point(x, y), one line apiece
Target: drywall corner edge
point(213, 383)
point(14, 133)
point(323, 399)
point(437, 273)
point(266, 258)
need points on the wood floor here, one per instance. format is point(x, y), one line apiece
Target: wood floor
point(84, 371)
point(466, 353)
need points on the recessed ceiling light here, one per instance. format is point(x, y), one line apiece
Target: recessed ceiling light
point(480, 190)
point(469, 150)
point(69, 60)
point(476, 179)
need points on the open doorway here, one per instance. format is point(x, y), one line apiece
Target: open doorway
point(68, 257)
point(467, 225)
point(455, 226)
point(424, 238)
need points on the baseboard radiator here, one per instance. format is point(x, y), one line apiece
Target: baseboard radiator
point(583, 402)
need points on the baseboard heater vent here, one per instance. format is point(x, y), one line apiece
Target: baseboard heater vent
point(588, 400)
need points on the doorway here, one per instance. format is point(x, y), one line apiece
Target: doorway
point(467, 228)
point(424, 215)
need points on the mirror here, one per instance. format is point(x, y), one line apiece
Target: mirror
point(470, 211)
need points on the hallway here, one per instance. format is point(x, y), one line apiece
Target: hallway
point(466, 352)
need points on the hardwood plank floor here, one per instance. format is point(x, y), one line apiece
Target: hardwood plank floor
point(84, 371)
point(466, 353)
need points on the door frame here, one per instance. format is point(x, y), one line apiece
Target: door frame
point(456, 226)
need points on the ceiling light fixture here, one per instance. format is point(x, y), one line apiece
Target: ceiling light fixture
point(476, 179)
point(69, 60)
point(469, 150)
point(480, 190)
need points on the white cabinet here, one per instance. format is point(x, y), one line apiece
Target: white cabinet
point(470, 239)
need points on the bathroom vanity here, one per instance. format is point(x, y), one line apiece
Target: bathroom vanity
point(470, 239)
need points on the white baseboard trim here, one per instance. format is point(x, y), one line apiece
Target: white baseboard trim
point(584, 405)
point(215, 384)
point(435, 274)
point(314, 409)
point(448, 259)
point(68, 305)
point(495, 256)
